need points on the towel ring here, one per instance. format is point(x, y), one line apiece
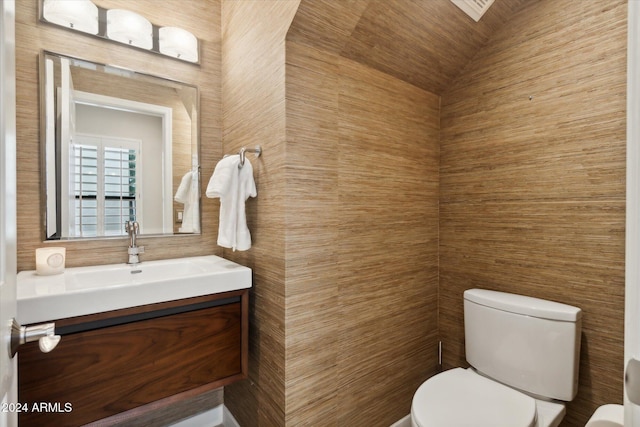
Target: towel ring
point(244, 150)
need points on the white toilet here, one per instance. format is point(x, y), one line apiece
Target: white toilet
point(524, 355)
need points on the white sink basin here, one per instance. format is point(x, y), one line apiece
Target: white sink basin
point(87, 290)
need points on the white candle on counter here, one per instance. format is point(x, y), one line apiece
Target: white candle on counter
point(50, 260)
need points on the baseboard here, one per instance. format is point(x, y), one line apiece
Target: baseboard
point(404, 422)
point(228, 420)
point(219, 416)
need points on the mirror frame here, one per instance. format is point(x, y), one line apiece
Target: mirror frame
point(43, 143)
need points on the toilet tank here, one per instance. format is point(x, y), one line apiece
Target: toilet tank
point(527, 343)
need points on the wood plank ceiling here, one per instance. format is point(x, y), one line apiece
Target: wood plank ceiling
point(424, 42)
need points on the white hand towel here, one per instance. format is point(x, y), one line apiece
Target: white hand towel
point(224, 174)
point(188, 194)
point(246, 189)
point(233, 185)
point(182, 194)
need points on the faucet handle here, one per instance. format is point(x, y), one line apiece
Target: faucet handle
point(131, 227)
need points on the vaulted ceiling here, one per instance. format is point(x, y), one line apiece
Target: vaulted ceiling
point(424, 42)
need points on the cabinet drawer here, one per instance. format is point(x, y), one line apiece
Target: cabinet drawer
point(102, 371)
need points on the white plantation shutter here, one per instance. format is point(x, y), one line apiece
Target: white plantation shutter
point(83, 218)
point(104, 184)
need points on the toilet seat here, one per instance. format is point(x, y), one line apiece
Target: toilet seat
point(460, 397)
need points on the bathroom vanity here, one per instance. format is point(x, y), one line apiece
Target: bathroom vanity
point(115, 362)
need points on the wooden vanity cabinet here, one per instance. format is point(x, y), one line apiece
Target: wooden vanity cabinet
point(109, 366)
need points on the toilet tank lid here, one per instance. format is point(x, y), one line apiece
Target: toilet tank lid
point(524, 305)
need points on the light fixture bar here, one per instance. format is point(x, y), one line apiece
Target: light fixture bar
point(121, 26)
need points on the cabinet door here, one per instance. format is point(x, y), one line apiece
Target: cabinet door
point(102, 372)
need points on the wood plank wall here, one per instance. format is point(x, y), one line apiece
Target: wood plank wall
point(336, 276)
point(387, 244)
point(313, 317)
point(362, 229)
point(203, 19)
point(253, 88)
point(533, 180)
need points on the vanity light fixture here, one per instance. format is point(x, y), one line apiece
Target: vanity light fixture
point(121, 26)
point(79, 15)
point(129, 28)
point(178, 43)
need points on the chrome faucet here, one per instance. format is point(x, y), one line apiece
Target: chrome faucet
point(132, 228)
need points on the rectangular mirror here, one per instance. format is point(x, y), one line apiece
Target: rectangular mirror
point(117, 145)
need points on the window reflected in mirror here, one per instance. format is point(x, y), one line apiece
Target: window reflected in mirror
point(105, 194)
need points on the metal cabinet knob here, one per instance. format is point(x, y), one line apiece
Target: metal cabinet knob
point(43, 333)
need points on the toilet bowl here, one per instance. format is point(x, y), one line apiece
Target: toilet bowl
point(462, 397)
point(607, 416)
point(523, 354)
